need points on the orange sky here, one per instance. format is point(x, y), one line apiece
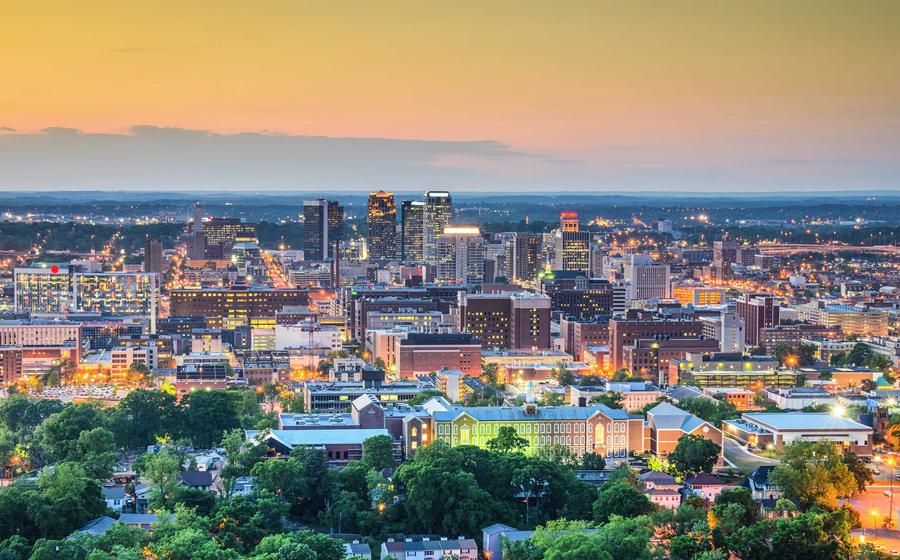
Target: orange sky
point(696, 84)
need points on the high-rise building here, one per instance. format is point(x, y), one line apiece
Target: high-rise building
point(228, 231)
point(43, 291)
point(568, 221)
point(626, 331)
point(412, 230)
point(572, 251)
point(523, 259)
point(460, 256)
point(198, 217)
point(335, 226)
point(437, 215)
point(315, 229)
point(382, 223)
point(240, 305)
point(117, 294)
point(573, 294)
point(759, 311)
point(506, 319)
point(727, 328)
point(647, 280)
point(153, 259)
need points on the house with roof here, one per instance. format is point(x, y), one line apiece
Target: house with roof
point(493, 537)
point(661, 489)
point(610, 432)
point(358, 550)
point(101, 525)
point(201, 480)
point(114, 497)
point(340, 446)
point(705, 485)
point(425, 548)
point(760, 487)
point(783, 428)
point(667, 424)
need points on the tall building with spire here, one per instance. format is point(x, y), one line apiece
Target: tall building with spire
point(381, 219)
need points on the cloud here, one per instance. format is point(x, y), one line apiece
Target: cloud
point(7, 129)
point(177, 158)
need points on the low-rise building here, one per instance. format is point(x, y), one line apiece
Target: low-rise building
point(797, 398)
point(668, 424)
point(778, 429)
point(742, 399)
point(430, 549)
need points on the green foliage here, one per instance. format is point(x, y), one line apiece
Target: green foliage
point(694, 454)
point(814, 473)
point(711, 410)
point(611, 399)
point(424, 397)
point(591, 461)
point(507, 441)
point(563, 375)
point(303, 481)
point(207, 416)
point(620, 498)
point(378, 452)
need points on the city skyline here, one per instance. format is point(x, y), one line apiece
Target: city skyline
point(523, 97)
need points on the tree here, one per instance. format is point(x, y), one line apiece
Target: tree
point(94, 451)
point(163, 469)
point(58, 435)
point(490, 374)
point(694, 454)
point(507, 441)
point(425, 396)
point(208, 415)
point(70, 498)
point(145, 416)
point(563, 375)
point(814, 473)
point(860, 471)
point(611, 399)
point(622, 499)
point(303, 481)
point(591, 461)
point(552, 398)
point(378, 452)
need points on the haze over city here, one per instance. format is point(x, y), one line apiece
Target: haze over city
point(509, 96)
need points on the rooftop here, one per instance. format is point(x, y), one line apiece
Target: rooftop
point(803, 421)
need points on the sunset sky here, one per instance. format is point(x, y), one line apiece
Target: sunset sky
point(592, 95)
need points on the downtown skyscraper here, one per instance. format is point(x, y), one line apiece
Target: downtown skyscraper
point(381, 219)
point(438, 212)
point(323, 225)
point(412, 230)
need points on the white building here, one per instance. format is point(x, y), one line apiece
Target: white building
point(308, 336)
point(385, 344)
point(727, 328)
point(646, 279)
point(430, 549)
point(460, 256)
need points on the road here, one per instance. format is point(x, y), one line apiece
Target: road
point(738, 456)
point(873, 506)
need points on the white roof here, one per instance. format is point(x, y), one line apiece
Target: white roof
point(293, 438)
point(804, 421)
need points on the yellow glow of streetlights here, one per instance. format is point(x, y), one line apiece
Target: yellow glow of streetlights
point(838, 410)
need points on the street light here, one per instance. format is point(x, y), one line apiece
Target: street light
point(874, 514)
point(891, 462)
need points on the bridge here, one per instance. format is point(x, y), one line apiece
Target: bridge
point(794, 248)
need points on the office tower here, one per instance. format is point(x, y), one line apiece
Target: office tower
point(335, 226)
point(196, 247)
point(647, 280)
point(412, 230)
point(228, 231)
point(43, 291)
point(239, 305)
point(315, 229)
point(198, 217)
point(573, 294)
point(759, 311)
point(117, 294)
point(628, 330)
point(382, 223)
point(568, 221)
point(727, 328)
point(724, 254)
point(524, 259)
point(572, 251)
point(153, 259)
point(437, 215)
point(507, 319)
point(460, 256)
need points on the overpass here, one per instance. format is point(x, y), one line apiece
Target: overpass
point(794, 248)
